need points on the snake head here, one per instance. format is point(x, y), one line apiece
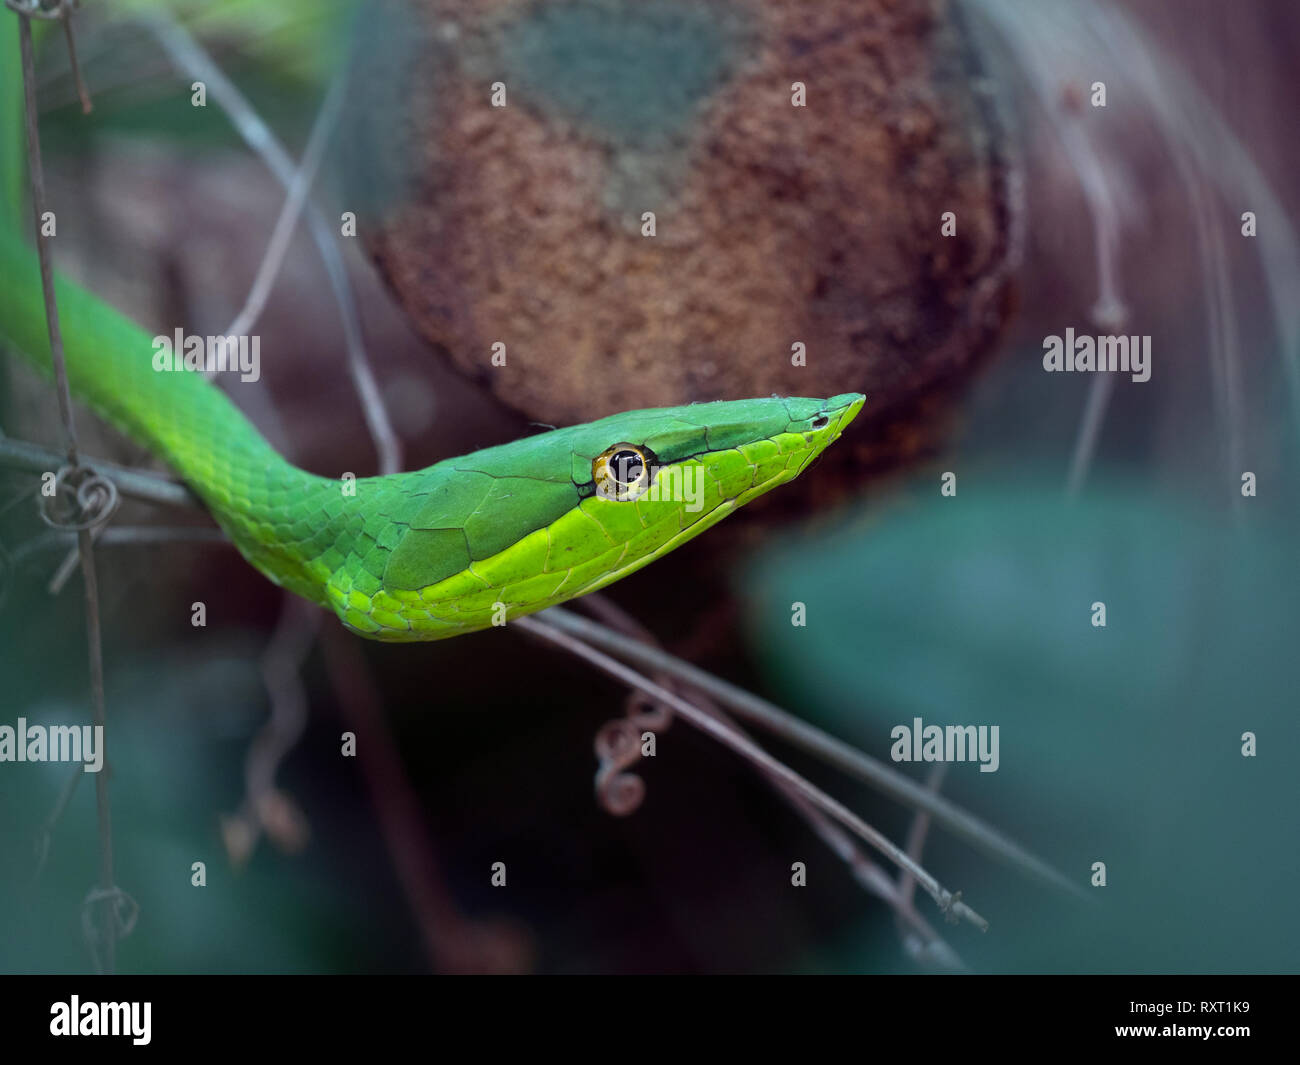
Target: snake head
point(510, 530)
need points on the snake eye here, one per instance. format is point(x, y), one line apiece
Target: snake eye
point(626, 466)
point(821, 421)
point(623, 472)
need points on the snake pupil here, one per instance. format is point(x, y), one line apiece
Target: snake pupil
point(627, 466)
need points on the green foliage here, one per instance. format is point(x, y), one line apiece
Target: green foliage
point(299, 38)
point(1119, 744)
point(279, 55)
point(178, 734)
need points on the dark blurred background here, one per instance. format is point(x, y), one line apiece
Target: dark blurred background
point(1119, 745)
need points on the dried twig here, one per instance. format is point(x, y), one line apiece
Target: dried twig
point(929, 946)
point(188, 56)
point(947, 901)
point(833, 752)
point(265, 808)
point(91, 510)
point(134, 483)
point(127, 536)
point(269, 268)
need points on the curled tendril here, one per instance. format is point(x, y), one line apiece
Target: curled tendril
point(617, 741)
point(93, 500)
point(618, 747)
point(646, 714)
point(125, 911)
point(620, 793)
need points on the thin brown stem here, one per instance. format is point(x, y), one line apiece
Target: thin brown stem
point(869, 875)
point(136, 484)
point(947, 901)
point(83, 94)
point(189, 57)
point(37, 177)
point(105, 949)
point(919, 830)
point(830, 750)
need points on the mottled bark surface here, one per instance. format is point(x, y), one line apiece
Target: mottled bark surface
point(775, 224)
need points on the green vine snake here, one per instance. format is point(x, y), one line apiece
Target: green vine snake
point(462, 545)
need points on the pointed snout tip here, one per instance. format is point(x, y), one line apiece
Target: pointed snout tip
point(847, 405)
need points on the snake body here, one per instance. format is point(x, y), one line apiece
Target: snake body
point(462, 545)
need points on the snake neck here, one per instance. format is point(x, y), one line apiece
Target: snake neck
point(283, 519)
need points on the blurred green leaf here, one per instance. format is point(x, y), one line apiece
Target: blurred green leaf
point(1120, 744)
point(179, 731)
